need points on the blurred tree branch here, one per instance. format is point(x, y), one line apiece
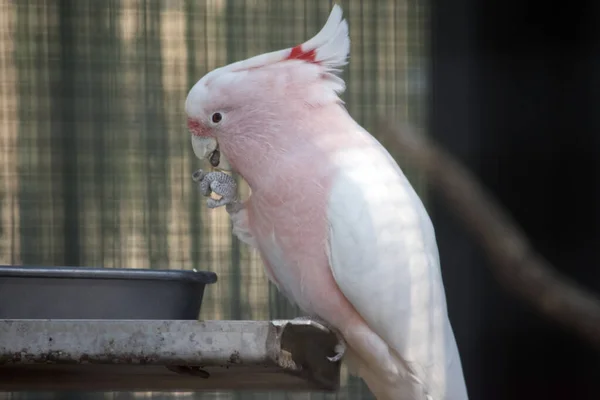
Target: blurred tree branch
point(517, 265)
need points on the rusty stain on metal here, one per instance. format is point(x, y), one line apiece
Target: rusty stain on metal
point(189, 370)
point(235, 358)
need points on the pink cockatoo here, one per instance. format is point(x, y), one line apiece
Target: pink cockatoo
point(339, 228)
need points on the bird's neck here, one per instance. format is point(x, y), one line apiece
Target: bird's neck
point(286, 152)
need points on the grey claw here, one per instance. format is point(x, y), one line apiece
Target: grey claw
point(198, 175)
point(234, 207)
point(205, 186)
point(340, 350)
point(213, 203)
point(219, 183)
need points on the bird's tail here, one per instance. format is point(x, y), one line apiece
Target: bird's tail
point(385, 373)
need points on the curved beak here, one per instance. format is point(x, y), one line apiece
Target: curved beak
point(207, 148)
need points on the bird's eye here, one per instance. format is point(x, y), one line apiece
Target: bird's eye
point(216, 118)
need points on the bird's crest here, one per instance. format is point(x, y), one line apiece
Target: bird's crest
point(328, 48)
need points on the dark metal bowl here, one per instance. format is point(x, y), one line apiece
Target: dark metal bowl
point(28, 292)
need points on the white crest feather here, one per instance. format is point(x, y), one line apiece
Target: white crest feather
point(332, 43)
point(331, 46)
point(326, 52)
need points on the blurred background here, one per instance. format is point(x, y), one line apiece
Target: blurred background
point(96, 160)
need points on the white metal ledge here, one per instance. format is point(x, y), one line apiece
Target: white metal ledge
point(112, 355)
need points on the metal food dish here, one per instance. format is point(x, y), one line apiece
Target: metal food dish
point(101, 293)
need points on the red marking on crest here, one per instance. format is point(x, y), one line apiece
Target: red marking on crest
point(298, 54)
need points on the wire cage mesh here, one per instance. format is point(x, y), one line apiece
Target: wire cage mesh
point(95, 155)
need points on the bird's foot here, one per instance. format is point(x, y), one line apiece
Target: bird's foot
point(222, 185)
point(340, 347)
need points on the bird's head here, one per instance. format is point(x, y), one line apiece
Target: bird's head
point(241, 113)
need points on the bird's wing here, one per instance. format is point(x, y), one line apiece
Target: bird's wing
point(384, 258)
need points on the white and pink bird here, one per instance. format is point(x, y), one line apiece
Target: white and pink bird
point(340, 230)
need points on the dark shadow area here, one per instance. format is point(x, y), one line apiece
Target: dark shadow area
point(515, 93)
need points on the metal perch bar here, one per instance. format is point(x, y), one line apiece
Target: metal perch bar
point(166, 355)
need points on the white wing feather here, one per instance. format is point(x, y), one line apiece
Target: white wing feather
point(384, 258)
